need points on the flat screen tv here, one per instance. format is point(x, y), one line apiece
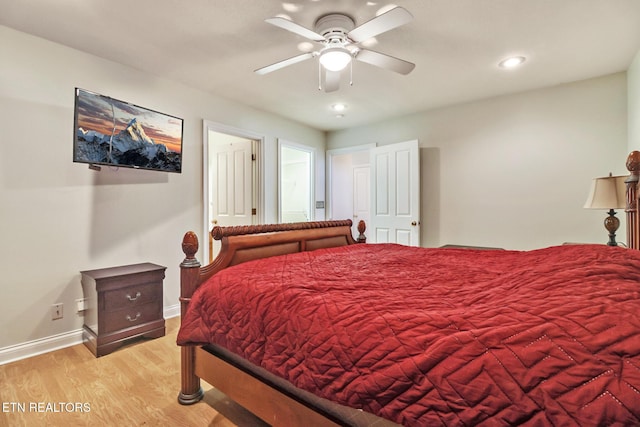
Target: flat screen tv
point(116, 133)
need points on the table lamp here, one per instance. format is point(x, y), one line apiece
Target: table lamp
point(608, 192)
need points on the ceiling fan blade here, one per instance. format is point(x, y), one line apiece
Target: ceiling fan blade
point(295, 28)
point(385, 61)
point(331, 81)
point(285, 63)
point(387, 21)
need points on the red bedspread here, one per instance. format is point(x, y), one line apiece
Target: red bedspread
point(440, 336)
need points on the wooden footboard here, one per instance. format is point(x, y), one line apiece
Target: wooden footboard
point(242, 244)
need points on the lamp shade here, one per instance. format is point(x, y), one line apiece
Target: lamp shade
point(335, 58)
point(607, 192)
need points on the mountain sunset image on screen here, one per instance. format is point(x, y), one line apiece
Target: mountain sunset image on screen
point(113, 132)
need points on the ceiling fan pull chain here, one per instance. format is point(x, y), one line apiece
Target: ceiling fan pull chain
point(351, 75)
point(319, 76)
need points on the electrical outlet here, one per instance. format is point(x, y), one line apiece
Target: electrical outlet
point(56, 311)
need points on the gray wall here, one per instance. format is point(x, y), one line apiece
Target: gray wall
point(58, 218)
point(513, 171)
point(634, 103)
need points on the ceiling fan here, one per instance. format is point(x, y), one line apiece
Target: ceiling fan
point(341, 42)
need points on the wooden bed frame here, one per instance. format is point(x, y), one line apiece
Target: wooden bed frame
point(240, 244)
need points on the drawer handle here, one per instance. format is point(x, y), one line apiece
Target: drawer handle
point(133, 319)
point(130, 298)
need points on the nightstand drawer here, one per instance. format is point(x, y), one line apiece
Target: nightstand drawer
point(133, 316)
point(132, 296)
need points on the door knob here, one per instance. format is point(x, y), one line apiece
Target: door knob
point(413, 223)
point(214, 222)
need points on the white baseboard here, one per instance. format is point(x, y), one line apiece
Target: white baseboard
point(56, 342)
point(172, 311)
point(39, 346)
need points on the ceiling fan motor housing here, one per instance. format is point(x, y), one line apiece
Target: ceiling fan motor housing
point(334, 27)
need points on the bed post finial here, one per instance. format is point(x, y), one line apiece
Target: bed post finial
point(361, 229)
point(189, 247)
point(633, 229)
point(633, 162)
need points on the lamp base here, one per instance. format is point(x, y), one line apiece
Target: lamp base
point(611, 223)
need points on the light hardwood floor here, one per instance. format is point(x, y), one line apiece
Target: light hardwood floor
point(136, 385)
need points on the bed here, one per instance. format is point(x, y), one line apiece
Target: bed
point(303, 326)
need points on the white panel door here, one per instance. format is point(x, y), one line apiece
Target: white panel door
point(395, 194)
point(231, 184)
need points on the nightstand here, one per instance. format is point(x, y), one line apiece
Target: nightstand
point(122, 303)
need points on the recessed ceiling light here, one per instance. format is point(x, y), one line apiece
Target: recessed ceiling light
point(338, 107)
point(291, 7)
point(511, 62)
point(370, 42)
point(305, 46)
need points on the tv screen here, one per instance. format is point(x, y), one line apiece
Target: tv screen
point(116, 133)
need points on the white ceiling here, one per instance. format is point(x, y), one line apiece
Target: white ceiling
point(214, 45)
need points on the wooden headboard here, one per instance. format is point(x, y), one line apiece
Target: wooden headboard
point(245, 243)
point(633, 228)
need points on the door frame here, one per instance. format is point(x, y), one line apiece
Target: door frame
point(258, 178)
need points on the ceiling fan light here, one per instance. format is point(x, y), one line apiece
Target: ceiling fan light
point(512, 62)
point(335, 58)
